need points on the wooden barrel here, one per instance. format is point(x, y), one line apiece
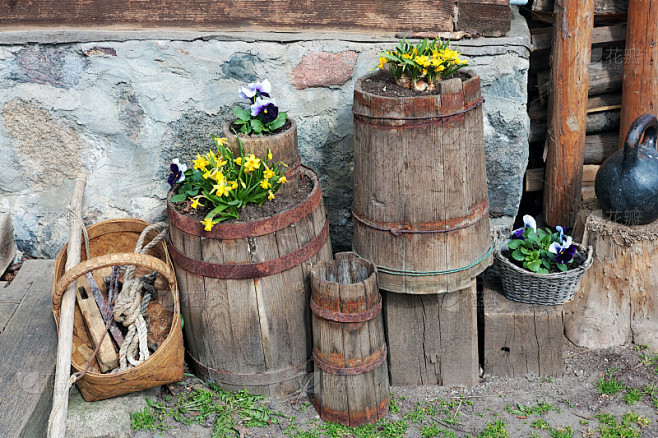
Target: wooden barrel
point(282, 145)
point(244, 294)
point(421, 211)
point(351, 374)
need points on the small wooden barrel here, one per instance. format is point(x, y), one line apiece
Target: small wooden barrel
point(245, 291)
point(349, 351)
point(421, 211)
point(283, 147)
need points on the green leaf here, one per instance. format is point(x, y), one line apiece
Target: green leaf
point(278, 122)
point(242, 114)
point(192, 192)
point(514, 244)
point(245, 129)
point(518, 255)
point(562, 267)
point(534, 265)
point(178, 198)
point(257, 126)
point(542, 271)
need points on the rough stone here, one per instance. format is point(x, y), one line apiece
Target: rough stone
point(122, 114)
point(321, 69)
point(241, 66)
point(105, 418)
point(49, 65)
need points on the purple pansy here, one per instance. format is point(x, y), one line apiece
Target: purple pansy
point(265, 107)
point(177, 172)
point(528, 222)
point(563, 251)
point(252, 91)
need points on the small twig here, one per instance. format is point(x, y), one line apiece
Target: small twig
point(474, 396)
point(580, 352)
point(583, 417)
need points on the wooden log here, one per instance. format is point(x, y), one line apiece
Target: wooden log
point(616, 301)
point(604, 77)
point(640, 90)
point(598, 147)
point(253, 274)
point(600, 6)
point(534, 180)
point(432, 339)
point(423, 241)
point(520, 338)
point(541, 38)
point(567, 109)
point(595, 104)
point(107, 357)
point(57, 422)
point(485, 19)
point(349, 351)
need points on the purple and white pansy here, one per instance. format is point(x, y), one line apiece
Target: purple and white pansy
point(177, 172)
point(256, 89)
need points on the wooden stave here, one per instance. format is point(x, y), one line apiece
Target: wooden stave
point(244, 295)
point(352, 400)
point(449, 249)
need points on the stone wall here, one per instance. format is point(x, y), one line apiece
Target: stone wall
point(121, 105)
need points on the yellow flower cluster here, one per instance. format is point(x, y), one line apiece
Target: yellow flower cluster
point(224, 183)
point(430, 61)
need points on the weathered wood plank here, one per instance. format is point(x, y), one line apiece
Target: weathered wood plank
point(541, 40)
point(107, 357)
point(16, 290)
point(6, 311)
point(29, 345)
point(600, 6)
point(520, 338)
point(432, 339)
point(534, 180)
point(485, 19)
point(274, 15)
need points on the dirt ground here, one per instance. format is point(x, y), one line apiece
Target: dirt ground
point(526, 407)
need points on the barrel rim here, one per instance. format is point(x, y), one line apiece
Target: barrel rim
point(226, 127)
point(260, 227)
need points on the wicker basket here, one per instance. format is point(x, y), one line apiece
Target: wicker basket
point(548, 289)
point(112, 243)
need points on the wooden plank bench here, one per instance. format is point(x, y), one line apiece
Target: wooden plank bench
point(28, 343)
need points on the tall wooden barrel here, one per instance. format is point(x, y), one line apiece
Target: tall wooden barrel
point(351, 374)
point(421, 211)
point(282, 145)
point(244, 294)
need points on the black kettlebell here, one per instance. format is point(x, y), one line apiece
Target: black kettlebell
point(627, 182)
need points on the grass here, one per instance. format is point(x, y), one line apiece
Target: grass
point(563, 432)
point(540, 409)
point(495, 429)
point(632, 396)
point(628, 427)
point(608, 385)
point(145, 420)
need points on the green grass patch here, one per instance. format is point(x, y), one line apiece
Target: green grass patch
point(628, 427)
point(632, 396)
point(495, 429)
point(563, 432)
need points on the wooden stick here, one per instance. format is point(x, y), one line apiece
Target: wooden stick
point(57, 421)
point(640, 83)
point(567, 110)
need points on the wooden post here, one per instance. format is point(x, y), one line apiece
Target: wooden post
point(57, 422)
point(567, 109)
point(640, 84)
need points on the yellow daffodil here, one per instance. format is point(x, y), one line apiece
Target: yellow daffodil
point(207, 224)
point(238, 161)
point(270, 196)
point(221, 189)
point(382, 62)
point(196, 202)
point(265, 184)
point(252, 163)
point(268, 173)
point(234, 184)
point(282, 180)
point(244, 186)
point(407, 55)
point(200, 163)
point(221, 141)
point(269, 154)
point(423, 61)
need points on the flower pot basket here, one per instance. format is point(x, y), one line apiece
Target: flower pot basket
point(112, 243)
point(548, 289)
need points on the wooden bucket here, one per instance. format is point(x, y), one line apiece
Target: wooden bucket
point(283, 147)
point(421, 211)
point(245, 291)
point(351, 374)
point(112, 243)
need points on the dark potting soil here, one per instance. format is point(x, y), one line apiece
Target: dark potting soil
point(252, 212)
point(236, 129)
point(382, 83)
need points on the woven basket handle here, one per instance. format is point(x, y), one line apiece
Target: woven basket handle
point(109, 260)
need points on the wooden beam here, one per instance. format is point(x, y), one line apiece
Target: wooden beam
point(534, 178)
point(595, 104)
point(640, 89)
point(486, 19)
point(603, 77)
point(541, 40)
point(567, 110)
point(600, 6)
